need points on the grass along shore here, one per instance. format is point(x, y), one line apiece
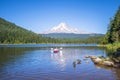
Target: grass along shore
point(112, 47)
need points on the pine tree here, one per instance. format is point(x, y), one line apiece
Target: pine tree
point(113, 33)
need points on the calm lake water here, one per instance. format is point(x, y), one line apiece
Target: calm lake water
point(38, 62)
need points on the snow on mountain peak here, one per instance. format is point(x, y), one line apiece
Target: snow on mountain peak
point(64, 28)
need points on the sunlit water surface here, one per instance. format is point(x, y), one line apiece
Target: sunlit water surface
point(38, 62)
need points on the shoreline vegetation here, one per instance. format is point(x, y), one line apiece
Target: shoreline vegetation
point(112, 48)
point(111, 39)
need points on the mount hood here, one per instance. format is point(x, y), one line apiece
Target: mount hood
point(64, 28)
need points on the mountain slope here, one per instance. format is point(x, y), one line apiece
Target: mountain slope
point(64, 31)
point(64, 28)
point(11, 33)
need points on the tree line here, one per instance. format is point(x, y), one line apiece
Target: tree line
point(113, 32)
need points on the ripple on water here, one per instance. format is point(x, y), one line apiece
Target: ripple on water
point(40, 64)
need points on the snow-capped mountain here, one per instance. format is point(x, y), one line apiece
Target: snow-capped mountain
point(64, 28)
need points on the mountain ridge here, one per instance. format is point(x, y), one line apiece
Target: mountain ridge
point(64, 28)
point(65, 31)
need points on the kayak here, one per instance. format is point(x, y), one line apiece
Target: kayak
point(55, 50)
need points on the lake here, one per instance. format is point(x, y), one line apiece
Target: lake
point(38, 62)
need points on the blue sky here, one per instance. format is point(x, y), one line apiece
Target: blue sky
point(41, 15)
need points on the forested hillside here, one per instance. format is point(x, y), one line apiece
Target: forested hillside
point(11, 33)
point(112, 38)
point(113, 33)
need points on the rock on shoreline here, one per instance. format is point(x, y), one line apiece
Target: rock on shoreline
point(104, 61)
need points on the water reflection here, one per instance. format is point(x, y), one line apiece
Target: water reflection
point(58, 58)
point(67, 64)
point(74, 56)
point(74, 64)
